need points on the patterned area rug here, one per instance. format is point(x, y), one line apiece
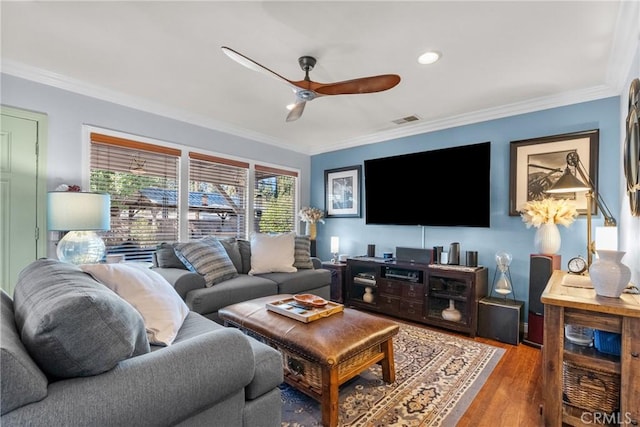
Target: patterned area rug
point(437, 377)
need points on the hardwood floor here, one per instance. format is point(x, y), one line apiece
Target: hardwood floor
point(512, 394)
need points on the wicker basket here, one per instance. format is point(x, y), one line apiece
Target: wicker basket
point(590, 389)
point(310, 373)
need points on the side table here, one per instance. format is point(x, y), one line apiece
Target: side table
point(338, 274)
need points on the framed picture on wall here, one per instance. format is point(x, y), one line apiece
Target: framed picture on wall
point(342, 192)
point(536, 164)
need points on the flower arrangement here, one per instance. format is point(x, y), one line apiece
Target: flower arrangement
point(554, 211)
point(312, 215)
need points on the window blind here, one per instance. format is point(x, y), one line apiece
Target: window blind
point(142, 179)
point(275, 199)
point(217, 197)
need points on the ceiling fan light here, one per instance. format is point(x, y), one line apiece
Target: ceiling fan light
point(429, 57)
point(290, 106)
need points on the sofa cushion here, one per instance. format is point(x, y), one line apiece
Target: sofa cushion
point(272, 252)
point(22, 381)
point(162, 309)
point(208, 258)
point(301, 282)
point(71, 324)
point(241, 288)
point(302, 253)
point(166, 257)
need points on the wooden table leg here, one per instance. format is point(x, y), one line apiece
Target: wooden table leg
point(388, 364)
point(330, 400)
point(552, 348)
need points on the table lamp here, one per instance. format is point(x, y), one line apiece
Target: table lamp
point(608, 275)
point(335, 247)
point(81, 214)
point(568, 183)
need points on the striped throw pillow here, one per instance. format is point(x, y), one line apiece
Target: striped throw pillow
point(302, 252)
point(208, 258)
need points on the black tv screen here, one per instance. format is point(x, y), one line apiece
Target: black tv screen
point(445, 187)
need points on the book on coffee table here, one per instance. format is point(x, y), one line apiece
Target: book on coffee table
point(291, 308)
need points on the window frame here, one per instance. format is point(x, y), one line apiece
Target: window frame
point(183, 174)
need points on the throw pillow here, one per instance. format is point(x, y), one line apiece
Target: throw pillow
point(303, 252)
point(208, 258)
point(162, 309)
point(166, 257)
point(272, 253)
point(245, 252)
point(72, 325)
point(231, 246)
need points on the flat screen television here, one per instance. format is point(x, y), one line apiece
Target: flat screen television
point(445, 187)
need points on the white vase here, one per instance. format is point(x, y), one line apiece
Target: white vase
point(547, 239)
point(368, 295)
point(608, 274)
point(451, 313)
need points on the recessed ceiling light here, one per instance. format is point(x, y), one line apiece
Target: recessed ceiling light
point(429, 57)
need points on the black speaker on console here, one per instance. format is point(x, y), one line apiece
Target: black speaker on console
point(540, 269)
point(414, 255)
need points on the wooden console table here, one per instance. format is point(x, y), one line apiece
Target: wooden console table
point(582, 307)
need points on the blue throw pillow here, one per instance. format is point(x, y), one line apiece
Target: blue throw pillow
point(72, 325)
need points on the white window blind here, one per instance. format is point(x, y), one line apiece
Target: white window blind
point(142, 179)
point(275, 199)
point(217, 197)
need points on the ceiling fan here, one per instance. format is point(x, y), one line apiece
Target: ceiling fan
point(307, 90)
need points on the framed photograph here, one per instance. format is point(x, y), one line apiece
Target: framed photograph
point(342, 192)
point(536, 164)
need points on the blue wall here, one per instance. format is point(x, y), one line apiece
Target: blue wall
point(507, 233)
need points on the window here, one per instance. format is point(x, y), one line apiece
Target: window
point(217, 197)
point(151, 205)
point(275, 200)
point(143, 182)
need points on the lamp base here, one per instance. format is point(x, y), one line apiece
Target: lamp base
point(81, 247)
point(608, 274)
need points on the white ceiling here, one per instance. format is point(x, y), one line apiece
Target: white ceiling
point(498, 59)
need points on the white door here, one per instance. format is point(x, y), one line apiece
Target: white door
point(22, 195)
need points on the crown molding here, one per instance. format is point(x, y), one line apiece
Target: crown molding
point(537, 104)
point(73, 85)
point(63, 82)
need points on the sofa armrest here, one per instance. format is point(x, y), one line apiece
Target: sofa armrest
point(317, 262)
point(163, 387)
point(183, 281)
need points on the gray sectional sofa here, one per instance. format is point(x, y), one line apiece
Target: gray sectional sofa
point(73, 353)
point(207, 300)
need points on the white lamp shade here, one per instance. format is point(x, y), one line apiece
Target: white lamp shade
point(70, 210)
point(335, 244)
point(607, 238)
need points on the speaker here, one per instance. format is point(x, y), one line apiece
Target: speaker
point(540, 269)
point(414, 255)
point(499, 319)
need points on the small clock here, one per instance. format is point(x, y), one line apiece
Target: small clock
point(577, 265)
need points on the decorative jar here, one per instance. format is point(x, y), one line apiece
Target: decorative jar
point(608, 274)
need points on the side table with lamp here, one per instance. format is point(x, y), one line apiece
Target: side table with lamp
point(584, 379)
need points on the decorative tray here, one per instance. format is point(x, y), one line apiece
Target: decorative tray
point(291, 308)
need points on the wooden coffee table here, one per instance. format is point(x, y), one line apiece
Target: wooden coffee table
point(321, 355)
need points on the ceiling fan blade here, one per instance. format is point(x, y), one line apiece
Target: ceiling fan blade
point(361, 85)
point(296, 111)
point(253, 65)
